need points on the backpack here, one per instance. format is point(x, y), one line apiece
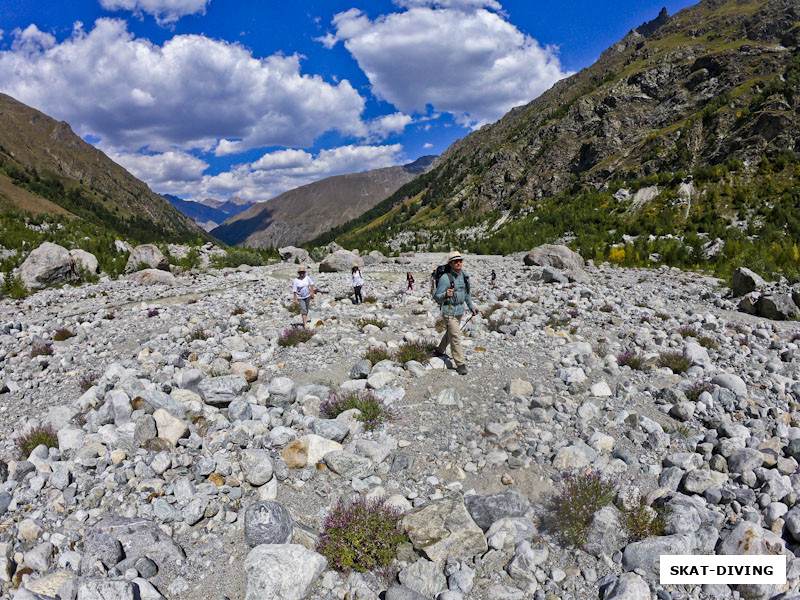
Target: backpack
point(446, 270)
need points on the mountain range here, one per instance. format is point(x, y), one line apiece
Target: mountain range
point(46, 169)
point(690, 125)
point(209, 213)
point(300, 214)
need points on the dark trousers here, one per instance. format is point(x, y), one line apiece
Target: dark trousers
point(357, 294)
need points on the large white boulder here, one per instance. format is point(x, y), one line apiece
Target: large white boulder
point(146, 254)
point(550, 255)
point(49, 264)
point(85, 260)
point(340, 261)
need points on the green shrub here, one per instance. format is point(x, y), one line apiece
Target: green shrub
point(580, 496)
point(674, 361)
point(420, 351)
point(370, 321)
point(13, 287)
point(87, 380)
point(440, 325)
point(643, 521)
point(363, 535)
point(295, 335)
point(235, 257)
point(62, 334)
point(239, 310)
point(697, 388)
point(376, 355)
point(191, 260)
point(198, 333)
point(294, 309)
point(109, 316)
point(707, 342)
point(41, 350)
point(37, 436)
point(628, 359)
point(370, 299)
point(373, 410)
point(688, 332)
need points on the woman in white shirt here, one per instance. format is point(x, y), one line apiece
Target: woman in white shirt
point(356, 281)
point(303, 290)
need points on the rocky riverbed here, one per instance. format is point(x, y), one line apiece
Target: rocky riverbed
point(174, 405)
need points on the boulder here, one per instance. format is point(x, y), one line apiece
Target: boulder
point(141, 537)
point(256, 466)
point(85, 260)
point(485, 510)
point(646, 554)
point(146, 254)
point(221, 391)
point(424, 577)
point(628, 586)
point(169, 426)
point(746, 281)
point(268, 522)
point(121, 246)
point(152, 277)
point(293, 255)
point(778, 307)
point(606, 532)
point(375, 257)
point(340, 261)
point(731, 382)
point(550, 255)
point(104, 589)
point(347, 464)
point(752, 539)
point(49, 264)
point(444, 529)
point(285, 571)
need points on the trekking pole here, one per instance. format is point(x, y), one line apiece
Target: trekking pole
point(464, 326)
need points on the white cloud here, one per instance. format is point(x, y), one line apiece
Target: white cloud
point(282, 170)
point(165, 11)
point(449, 54)
point(165, 171)
point(189, 93)
point(383, 127)
point(31, 40)
point(427, 145)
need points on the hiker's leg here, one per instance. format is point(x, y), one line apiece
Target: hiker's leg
point(454, 332)
point(442, 347)
point(304, 302)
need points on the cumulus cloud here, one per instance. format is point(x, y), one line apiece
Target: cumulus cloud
point(273, 173)
point(453, 55)
point(165, 11)
point(383, 127)
point(189, 93)
point(164, 171)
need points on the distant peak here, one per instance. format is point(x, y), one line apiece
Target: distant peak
point(650, 27)
point(420, 165)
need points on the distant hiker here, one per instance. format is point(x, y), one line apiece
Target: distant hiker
point(494, 276)
point(410, 280)
point(356, 281)
point(303, 290)
point(452, 292)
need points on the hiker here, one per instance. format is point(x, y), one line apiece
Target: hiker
point(452, 292)
point(410, 280)
point(356, 281)
point(303, 290)
point(493, 277)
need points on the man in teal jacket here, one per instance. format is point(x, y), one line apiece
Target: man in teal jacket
point(452, 293)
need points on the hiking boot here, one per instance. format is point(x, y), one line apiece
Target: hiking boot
point(461, 369)
point(439, 354)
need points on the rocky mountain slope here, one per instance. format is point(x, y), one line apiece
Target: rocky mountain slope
point(46, 169)
point(303, 213)
point(209, 213)
point(174, 408)
point(674, 129)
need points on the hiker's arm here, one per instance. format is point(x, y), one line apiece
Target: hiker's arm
point(295, 297)
point(441, 289)
point(312, 290)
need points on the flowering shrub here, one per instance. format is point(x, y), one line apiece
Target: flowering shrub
point(35, 437)
point(62, 334)
point(370, 300)
point(707, 342)
point(153, 312)
point(198, 333)
point(295, 335)
point(373, 410)
point(629, 359)
point(87, 380)
point(41, 350)
point(362, 535)
point(238, 310)
point(580, 496)
point(607, 308)
point(697, 388)
point(674, 361)
point(688, 331)
point(573, 312)
point(375, 355)
point(371, 321)
point(420, 351)
point(643, 521)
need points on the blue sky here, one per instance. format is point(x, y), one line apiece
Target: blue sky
point(221, 98)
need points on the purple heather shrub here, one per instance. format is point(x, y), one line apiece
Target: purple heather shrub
point(362, 535)
point(153, 312)
point(698, 387)
point(573, 312)
point(580, 496)
point(374, 411)
point(295, 335)
point(629, 359)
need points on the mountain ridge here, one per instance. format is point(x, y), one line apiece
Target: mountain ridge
point(301, 213)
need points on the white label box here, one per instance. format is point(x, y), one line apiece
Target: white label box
point(728, 569)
